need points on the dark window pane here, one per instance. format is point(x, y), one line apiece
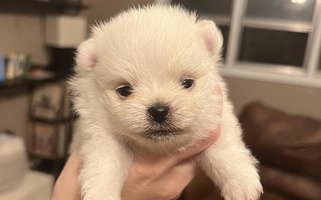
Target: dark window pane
point(301, 10)
point(276, 47)
point(218, 7)
point(225, 32)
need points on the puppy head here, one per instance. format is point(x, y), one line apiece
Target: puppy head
point(150, 74)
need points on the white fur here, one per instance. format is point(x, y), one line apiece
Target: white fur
point(153, 49)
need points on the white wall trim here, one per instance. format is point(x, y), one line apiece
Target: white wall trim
point(273, 77)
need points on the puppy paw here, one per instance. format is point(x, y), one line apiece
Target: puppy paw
point(242, 190)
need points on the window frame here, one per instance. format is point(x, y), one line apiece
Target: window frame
point(308, 75)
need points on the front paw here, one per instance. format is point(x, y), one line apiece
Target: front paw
point(241, 189)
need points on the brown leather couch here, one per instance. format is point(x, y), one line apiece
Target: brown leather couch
point(289, 150)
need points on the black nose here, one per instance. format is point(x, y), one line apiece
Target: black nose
point(159, 113)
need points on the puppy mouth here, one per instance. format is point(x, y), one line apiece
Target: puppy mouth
point(161, 134)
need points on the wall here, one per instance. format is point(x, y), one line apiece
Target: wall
point(101, 10)
point(25, 34)
point(289, 98)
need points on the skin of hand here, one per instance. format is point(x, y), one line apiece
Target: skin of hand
point(152, 176)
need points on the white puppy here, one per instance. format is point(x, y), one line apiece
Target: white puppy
point(145, 80)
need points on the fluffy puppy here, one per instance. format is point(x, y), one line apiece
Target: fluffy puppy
point(145, 81)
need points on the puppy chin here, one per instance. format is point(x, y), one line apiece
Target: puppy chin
point(161, 135)
point(161, 141)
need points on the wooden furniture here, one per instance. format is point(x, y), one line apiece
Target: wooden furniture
point(50, 121)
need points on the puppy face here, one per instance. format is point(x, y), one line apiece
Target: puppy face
point(154, 74)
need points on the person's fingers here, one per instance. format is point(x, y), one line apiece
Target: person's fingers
point(182, 174)
point(67, 186)
point(166, 182)
point(199, 146)
point(190, 169)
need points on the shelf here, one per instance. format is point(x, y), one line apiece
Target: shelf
point(18, 82)
point(22, 85)
point(40, 7)
point(50, 121)
point(47, 155)
point(277, 24)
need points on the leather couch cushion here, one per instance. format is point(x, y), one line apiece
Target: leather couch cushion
point(291, 184)
point(288, 141)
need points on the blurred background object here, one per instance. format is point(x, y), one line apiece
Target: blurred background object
point(16, 180)
point(63, 35)
point(288, 147)
point(13, 160)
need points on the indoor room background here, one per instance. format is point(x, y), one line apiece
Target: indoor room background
point(271, 55)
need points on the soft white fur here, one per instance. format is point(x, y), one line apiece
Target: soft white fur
point(153, 49)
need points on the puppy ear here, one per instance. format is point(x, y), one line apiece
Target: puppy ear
point(211, 36)
point(86, 58)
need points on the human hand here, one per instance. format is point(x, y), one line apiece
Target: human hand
point(67, 185)
point(152, 176)
point(163, 177)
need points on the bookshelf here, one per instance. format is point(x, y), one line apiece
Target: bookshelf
point(50, 121)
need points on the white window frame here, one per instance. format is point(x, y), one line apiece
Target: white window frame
point(308, 75)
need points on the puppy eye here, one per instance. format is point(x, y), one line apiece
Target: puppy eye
point(187, 83)
point(125, 91)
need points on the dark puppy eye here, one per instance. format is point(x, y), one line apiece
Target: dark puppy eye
point(187, 83)
point(125, 91)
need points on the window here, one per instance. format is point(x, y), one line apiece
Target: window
point(217, 7)
point(218, 11)
point(289, 10)
point(274, 47)
point(276, 31)
point(270, 40)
